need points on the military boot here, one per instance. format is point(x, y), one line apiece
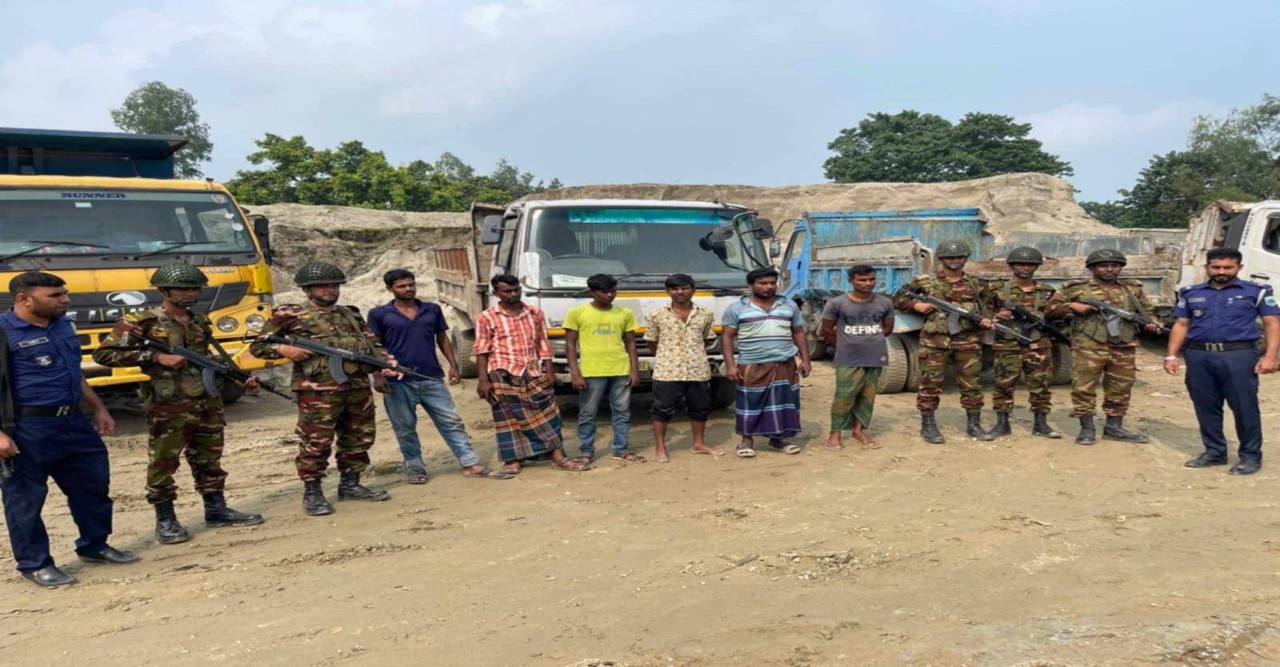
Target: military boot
point(1001, 428)
point(1115, 430)
point(1088, 435)
point(313, 502)
point(929, 429)
point(168, 530)
point(350, 489)
point(1042, 427)
point(217, 514)
point(973, 425)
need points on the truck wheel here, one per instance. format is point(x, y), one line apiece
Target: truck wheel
point(894, 376)
point(817, 349)
point(911, 346)
point(1061, 364)
point(463, 343)
point(723, 393)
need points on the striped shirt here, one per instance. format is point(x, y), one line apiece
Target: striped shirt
point(514, 343)
point(764, 336)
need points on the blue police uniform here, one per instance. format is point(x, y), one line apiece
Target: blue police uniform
point(1221, 352)
point(54, 439)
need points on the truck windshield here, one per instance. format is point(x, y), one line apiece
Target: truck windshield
point(100, 222)
point(640, 246)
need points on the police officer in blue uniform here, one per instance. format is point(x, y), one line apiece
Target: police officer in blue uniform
point(1217, 321)
point(50, 437)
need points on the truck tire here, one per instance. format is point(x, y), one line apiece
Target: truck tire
point(812, 313)
point(723, 393)
point(911, 346)
point(1061, 364)
point(894, 376)
point(463, 343)
point(817, 349)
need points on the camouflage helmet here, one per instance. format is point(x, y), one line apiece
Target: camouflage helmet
point(1105, 255)
point(319, 273)
point(179, 275)
point(1025, 255)
point(953, 248)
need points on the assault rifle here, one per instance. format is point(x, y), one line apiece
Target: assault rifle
point(210, 368)
point(1114, 315)
point(338, 355)
point(955, 313)
point(1034, 321)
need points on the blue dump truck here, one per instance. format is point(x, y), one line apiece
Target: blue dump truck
point(899, 244)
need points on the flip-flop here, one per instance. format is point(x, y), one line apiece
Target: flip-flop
point(785, 447)
point(512, 468)
point(488, 473)
point(572, 465)
point(745, 452)
point(416, 476)
point(629, 457)
point(832, 446)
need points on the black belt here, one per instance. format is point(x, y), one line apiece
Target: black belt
point(1222, 347)
point(44, 410)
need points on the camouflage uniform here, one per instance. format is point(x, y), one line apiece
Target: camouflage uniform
point(939, 349)
point(181, 419)
point(1014, 360)
point(1097, 357)
point(328, 410)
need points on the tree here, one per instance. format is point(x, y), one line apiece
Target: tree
point(154, 108)
point(910, 146)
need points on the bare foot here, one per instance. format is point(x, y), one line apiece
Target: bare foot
point(660, 455)
point(699, 448)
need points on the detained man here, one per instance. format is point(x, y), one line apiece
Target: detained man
point(857, 324)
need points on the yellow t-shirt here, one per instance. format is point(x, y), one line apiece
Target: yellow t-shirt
point(601, 352)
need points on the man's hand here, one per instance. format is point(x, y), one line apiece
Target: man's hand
point(633, 380)
point(923, 308)
point(170, 360)
point(293, 353)
point(455, 377)
point(732, 373)
point(251, 383)
point(986, 323)
point(391, 373)
point(484, 388)
point(805, 368)
point(8, 448)
point(1171, 366)
point(1004, 315)
point(1265, 365)
point(579, 382)
point(1152, 327)
point(1081, 308)
point(380, 384)
point(103, 423)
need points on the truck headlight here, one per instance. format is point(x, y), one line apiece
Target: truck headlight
point(228, 324)
point(255, 322)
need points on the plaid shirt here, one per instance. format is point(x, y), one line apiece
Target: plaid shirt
point(514, 343)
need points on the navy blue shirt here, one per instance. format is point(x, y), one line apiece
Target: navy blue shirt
point(412, 343)
point(44, 362)
point(1228, 314)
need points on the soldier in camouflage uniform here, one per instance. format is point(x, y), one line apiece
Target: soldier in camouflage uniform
point(939, 349)
point(1097, 356)
point(181, 417)
point(1014, 360)
point(328, 410)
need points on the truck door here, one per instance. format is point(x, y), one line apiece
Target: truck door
point(1261, 244)
point(793, 260)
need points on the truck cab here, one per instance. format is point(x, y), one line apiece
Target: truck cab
point(1251, 228)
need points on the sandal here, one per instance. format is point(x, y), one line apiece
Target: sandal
point(784, 446)
point(572, 465)
point(745, 451)
point(629, 457)
point(416, 475)
point(488, 473)
point(832, 446)
point(512, 468)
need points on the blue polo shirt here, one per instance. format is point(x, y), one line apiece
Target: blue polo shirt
point(1227, 314)
point(764, 336)
point(411, 342)
point(44, 362)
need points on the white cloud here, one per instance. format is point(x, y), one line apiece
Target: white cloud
point(1077, 126)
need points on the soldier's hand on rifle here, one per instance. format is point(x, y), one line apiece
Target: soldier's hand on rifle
point(293, 353)
point(170, 360)
point(1081, 308)
point(1004, 315)
point(251, 383)
point(8, 448)
point(1153, 327)
point(923, 308)
point(986, 323)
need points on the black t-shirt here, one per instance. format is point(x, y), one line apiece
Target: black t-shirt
point(860, 341)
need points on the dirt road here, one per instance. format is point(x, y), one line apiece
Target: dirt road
point(1020, 552)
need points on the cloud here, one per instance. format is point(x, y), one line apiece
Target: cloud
point(1077, 126)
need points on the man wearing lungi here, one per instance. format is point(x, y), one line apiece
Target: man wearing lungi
point(518, 379)
point(857, 324)
point(768, 334)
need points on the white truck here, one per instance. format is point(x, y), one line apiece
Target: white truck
point(554, 246)
point(1251, 228)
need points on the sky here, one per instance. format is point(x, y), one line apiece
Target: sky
point(665, 91)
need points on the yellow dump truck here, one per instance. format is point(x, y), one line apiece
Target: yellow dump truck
point(103, 211)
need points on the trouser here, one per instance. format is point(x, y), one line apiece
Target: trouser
point(967, 364)
point(615, 387)
point(667, 395)
point(194, 428)
point(402, 401)
point(71, 452)
point(1034, 364)
point(1213, 377)
point(1112, 366)
point(327, 418)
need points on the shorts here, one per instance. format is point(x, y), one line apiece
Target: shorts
point(667, 395)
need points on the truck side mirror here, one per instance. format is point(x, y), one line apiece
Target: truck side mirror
point(762, 228)
point(775, 248)
point(262, 230)
point(491, 230)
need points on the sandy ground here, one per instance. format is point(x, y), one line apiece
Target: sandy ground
point(1020, 552)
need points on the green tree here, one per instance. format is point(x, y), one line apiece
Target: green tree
point(910, 146)
point(154, 108)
